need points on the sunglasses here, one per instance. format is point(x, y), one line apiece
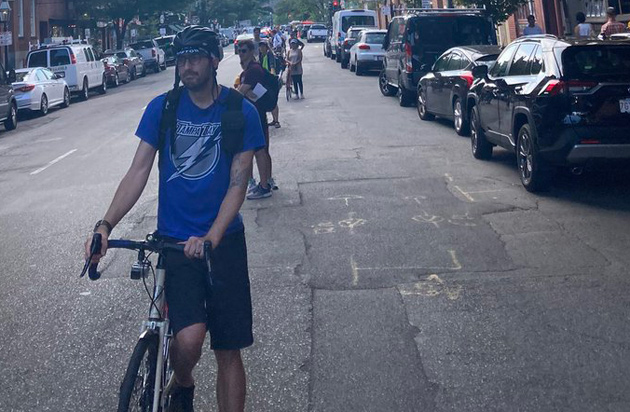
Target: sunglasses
point(243, 51)
point(193, 59)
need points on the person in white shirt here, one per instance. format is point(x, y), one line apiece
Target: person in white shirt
point(583, 30)
point(532, 28)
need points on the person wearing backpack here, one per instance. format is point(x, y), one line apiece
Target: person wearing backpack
point(268, 62)
point(205, 136)
point(254, 75)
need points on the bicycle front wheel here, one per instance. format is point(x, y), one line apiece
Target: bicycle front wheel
point(138, 386)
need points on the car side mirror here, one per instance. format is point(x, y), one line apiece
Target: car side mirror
point(11, 78)
point(480, 72)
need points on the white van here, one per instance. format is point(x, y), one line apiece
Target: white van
point(343, 19)
point(78, 64)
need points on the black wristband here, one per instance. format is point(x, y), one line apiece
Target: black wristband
point(105, 223)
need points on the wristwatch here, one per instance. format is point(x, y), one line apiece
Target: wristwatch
point(105, 223)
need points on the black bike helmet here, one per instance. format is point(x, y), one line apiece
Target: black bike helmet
point(198, 37)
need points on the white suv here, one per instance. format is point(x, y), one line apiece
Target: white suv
point(76, 63)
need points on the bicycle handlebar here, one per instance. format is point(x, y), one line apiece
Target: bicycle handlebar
point(157, 246)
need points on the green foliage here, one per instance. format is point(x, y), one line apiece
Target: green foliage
point(500, 10)
point(288, 10)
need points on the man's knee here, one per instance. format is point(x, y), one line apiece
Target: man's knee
point(227, 358)
point(190, 339)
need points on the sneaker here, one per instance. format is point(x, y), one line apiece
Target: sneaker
point(272, 183)
point(181, 399)
point(251, 185)
point(259, 193)
point(302, 97)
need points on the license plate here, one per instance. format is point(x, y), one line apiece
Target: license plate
point(624, 106)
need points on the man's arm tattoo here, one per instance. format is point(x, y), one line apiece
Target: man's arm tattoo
point(240, 172)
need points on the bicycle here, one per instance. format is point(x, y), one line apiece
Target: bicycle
point(149, 375)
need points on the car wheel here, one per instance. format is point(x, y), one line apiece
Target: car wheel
point(66, 98)
point(462, 125)
point(405, 98)
point(144, 71)
point(357, 69)
point(116, 81)
point(163, 66)
point(481, 147)
point(535, 177)
point(11, 122)
point(133, 74)
point(43, 105)
point(384, 86)
point(103, 88)
point(85, 92)
point(344, 63)
point(422, 107)
point(352, 67)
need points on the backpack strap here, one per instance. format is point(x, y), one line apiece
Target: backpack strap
point(233, 123)
point(169, 116)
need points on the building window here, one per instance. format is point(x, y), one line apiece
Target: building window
point(20, 16)
point(595, 8)
point(33, 28)
point(624, 6)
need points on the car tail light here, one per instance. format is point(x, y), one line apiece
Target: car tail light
point(589, 141)
point(345, 42)
point(126, 61)
point(364, 47)
point(153, 52)
point(555, 87)
point(468, 77)
point(26, 88)
point(73, 58)
point(408, 58)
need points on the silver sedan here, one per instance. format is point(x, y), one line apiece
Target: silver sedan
point(367, 53)
point(38, 89)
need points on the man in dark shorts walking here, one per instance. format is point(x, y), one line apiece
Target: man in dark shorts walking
point(253, 74)
point(202, 187)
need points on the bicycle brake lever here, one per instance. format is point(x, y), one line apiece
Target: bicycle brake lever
point(89, 267)
point(207, 252)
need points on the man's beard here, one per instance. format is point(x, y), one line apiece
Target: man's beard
point(198, 81)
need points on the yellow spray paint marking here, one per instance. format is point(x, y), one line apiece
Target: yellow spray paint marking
point(346, 198)
point(433, 286)
point(428, 218)
point(355, 271)
point(465, 194)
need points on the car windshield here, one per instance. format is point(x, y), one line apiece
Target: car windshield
point(375, 38)
point(318, 27)
point(21, 76)
point(487, 60)
point(452, 31)
point(110, 60)
point(349, 21)
point(165, 41)
point(38, 59)
point(597, 62)
point(122, 55)
point(141, 45)
point(354, 33)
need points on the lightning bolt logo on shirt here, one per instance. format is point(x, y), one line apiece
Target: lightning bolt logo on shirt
point(196, 150)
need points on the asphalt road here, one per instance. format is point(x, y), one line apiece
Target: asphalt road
point(390, 272)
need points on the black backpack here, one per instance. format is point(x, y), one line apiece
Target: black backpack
point(232, 121)
point(269, 100)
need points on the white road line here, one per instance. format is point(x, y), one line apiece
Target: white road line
point(54, 139)
point(52, 162)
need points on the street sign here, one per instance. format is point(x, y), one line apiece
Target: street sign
point(385, 11)
point(426, 4)
point(6, 38)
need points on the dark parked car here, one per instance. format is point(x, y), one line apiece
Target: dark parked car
point(415, 41)
point(116, 71)
point(134, 62)
point(351, 38)
point(553, 103)
point(8, 104)
point(443, 91)
point(328, 46)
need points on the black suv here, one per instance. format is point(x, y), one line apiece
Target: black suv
point(415, 41)
point(553, 103)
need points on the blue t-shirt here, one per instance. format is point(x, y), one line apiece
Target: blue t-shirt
point(195, 173)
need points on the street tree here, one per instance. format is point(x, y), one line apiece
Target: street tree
point(123, 12)
point(499, 10)
point(286, 10)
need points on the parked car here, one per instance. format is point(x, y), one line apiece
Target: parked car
point(415, 41)
point(353, 35)
point(8, 104)
point(342, 20)
point(153, 56)
point(443, 91)
point(303, 31)
point(317, 32)
point(116, 71)
point(367, 53)
point(166, 43)
point(553, 103)
point(76, 63)
point(38, 89)
point(134, 62)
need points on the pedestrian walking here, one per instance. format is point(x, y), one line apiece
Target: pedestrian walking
point(253, 74)
point(257, 41)
point(532, 28)
point(268, 62)
point(582, 29)
point(294, 59)
point(202, 185)
point(612, 26)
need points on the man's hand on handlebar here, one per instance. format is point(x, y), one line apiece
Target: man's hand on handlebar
point(88, 244)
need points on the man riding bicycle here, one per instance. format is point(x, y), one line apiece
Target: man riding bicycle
point(204, 166)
